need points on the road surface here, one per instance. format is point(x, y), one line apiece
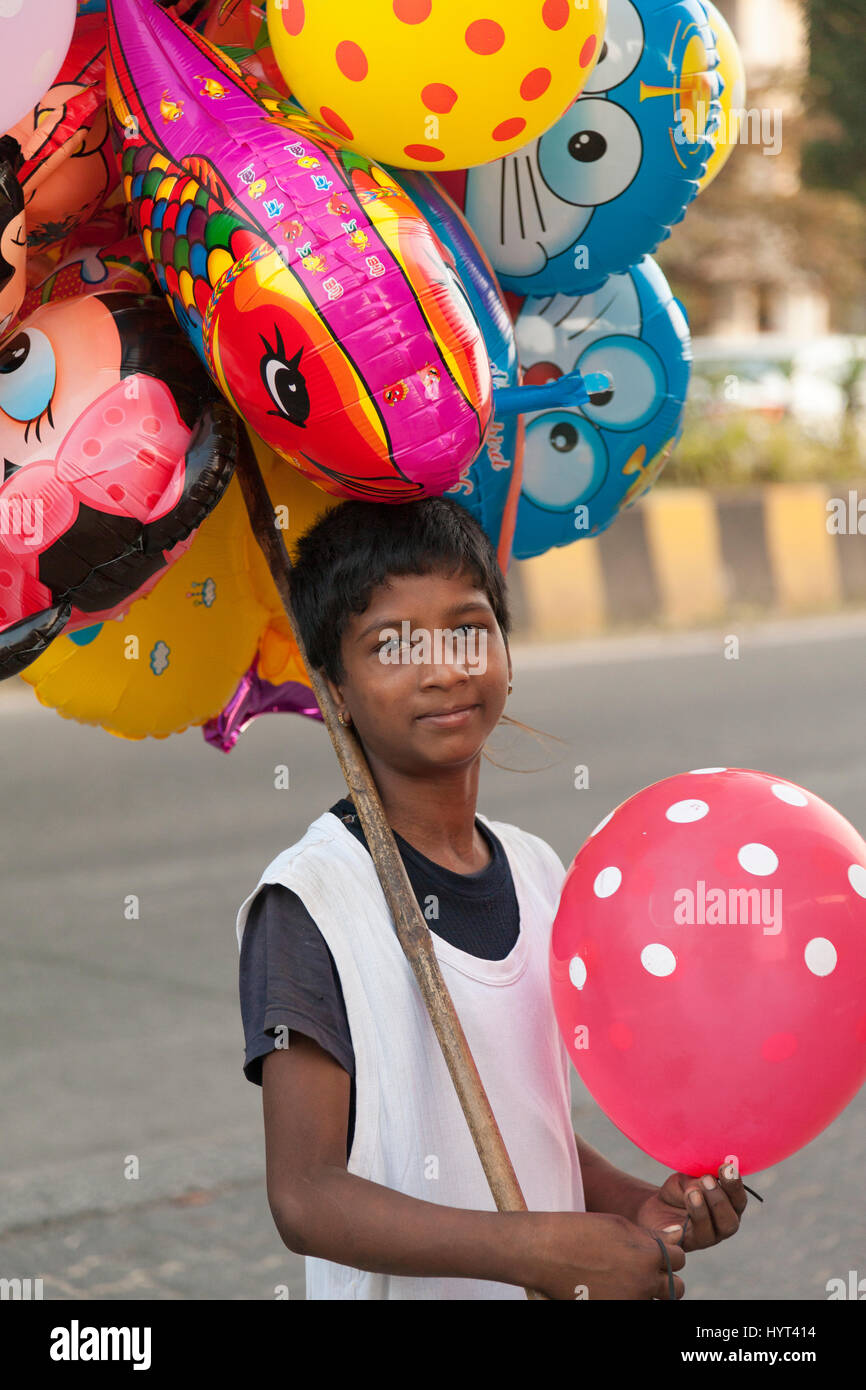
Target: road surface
point(121, 1037)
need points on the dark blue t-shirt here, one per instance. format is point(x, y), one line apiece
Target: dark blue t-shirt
point(288, 977)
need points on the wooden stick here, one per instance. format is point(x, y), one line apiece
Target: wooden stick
point(412, 931)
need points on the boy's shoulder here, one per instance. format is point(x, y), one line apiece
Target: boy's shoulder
point(317, 852)
point(327, 828)
point(516, 838)
point(326, 834)
point(319, 834)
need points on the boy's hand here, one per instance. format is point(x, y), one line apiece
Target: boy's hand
point(598, 1255)
point(713, 1218)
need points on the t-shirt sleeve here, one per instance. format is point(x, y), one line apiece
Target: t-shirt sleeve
point(288, 978)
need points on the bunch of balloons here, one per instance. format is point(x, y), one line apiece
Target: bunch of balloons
point(400, 258)
point(566, 213)
point(405, 259)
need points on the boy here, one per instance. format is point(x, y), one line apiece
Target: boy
point(371, 1170)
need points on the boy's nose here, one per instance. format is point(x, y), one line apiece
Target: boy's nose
point(444, 673)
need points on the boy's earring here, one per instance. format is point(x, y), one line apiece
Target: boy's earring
point(510, 687)
point(345, 722)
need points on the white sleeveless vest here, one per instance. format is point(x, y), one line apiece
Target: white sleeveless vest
point(410, 1132)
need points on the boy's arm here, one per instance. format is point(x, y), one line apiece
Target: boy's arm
point(321, 1209)
point(606, 1188)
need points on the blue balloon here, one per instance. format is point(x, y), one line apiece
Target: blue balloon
point(484, 486)
point(489, 486)
point(606, 183)
point(581, 468)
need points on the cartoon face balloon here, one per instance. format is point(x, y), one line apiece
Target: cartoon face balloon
point(98, 255)
point(733, 73)
point(13, 235)
point(311, 286)
point(197, 630)
point(114, 448)
point(582, 467)
point(605, 184)
point(69, 167)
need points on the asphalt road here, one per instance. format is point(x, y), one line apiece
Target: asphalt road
point(131, 1150)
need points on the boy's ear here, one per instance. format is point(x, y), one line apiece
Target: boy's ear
point(335, 691)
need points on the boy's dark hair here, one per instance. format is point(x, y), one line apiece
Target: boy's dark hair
point(356, 546)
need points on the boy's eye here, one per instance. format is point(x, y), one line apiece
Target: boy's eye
point(392, 646)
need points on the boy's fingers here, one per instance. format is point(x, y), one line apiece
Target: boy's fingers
point(735, 1189)
point(677, 1260)
point(663, 1295)
point(675, 1251)
point(703, 1232)
point(722, 1215)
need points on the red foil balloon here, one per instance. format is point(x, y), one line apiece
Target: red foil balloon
point(309, 283)
point(708, 968)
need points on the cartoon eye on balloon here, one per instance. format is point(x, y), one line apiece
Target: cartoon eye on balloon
point(284, 381)
point(602, 455)
point(639, 387)
point(277, 246)
point(489, 486)
point(591, 156)
point(28, 375)
point(604, 185)
point(565, 461)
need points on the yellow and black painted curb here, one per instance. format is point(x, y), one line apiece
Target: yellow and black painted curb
point(685, 556)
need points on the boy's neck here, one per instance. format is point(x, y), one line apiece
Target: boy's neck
point(436, 816)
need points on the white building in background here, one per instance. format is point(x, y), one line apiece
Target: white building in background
point(774, 39)
point(772, 34)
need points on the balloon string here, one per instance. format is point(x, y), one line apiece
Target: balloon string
point(664, 1250)
point(681, 1241)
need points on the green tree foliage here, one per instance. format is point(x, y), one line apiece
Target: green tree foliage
point(833, 151)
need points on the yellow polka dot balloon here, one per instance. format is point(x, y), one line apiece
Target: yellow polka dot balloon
point(437, 84)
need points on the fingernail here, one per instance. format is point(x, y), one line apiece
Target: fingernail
point(669, 1230)
point(695, 1197)
point(708, 1182)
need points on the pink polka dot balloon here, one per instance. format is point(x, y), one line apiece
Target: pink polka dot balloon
point(708, 968)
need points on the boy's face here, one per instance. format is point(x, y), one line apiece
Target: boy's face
point(426, 672)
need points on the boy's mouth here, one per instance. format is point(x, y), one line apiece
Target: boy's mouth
point(455, 715)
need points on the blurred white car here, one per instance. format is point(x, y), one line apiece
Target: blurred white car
point(807, 380)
